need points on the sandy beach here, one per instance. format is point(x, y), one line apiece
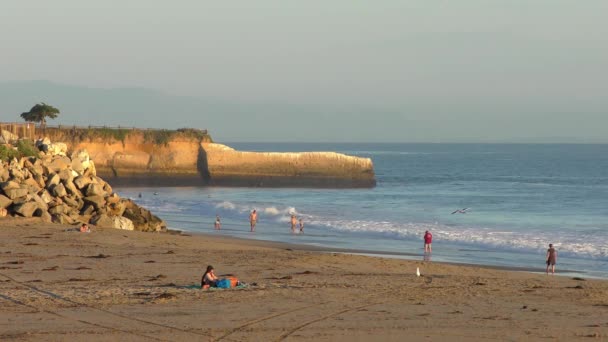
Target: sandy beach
point(113, 285)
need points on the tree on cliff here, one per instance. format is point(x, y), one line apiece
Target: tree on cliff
point(39, 113)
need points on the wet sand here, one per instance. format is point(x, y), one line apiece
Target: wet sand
point(112, 285)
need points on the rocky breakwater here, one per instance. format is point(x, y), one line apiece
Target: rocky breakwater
point(227, 166)
point(67, 190)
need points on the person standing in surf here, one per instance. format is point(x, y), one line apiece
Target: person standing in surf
point(253, 219)
point(218, 223)
point(428, 240)
point(551, 259)
point(294, 221)
point(301, 225)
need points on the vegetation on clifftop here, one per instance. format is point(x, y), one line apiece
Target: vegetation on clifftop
point(155, 136)
point(24, 148)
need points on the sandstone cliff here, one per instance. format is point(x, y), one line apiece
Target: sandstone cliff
point(185, 159)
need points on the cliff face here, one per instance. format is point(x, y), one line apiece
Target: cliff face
point(186, 161)
point(319, 169)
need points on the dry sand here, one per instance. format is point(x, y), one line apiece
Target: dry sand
point(113, 285)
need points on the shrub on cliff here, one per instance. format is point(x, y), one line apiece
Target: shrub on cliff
point(7, 153)
point(26, 148)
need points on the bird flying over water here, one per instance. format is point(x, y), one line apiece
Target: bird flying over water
point(460, 211)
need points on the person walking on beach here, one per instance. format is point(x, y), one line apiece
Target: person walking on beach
point(551, 258)
point(218, 223)
point(253, 219)
point(301, 225)
point(428, 240)
point(294, 222)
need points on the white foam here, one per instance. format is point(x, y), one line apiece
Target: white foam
point(226, 205)
point(272, 211)
point(566, 242)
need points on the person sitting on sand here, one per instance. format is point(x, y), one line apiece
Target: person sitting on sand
point(209, 278)
point(551, 258)
point(218, 224)
point(84, 228)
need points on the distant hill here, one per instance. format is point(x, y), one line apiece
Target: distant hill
point(148, 108)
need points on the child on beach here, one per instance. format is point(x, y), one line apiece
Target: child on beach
point(428, 240)
point(551, 258)
point(218, 224)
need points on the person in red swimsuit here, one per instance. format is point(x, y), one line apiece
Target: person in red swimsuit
point(428, 240)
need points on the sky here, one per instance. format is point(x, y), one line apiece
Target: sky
point(332, 70)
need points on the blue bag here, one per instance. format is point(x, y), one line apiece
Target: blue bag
point(223, 283)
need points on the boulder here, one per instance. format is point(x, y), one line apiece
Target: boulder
point(96, 201)
point(102, 220)
point(116, 209)
point(9, 185)
point(58, 209)
point(142, 218)
point(58, 163)
point(40, 202)
point(58, 149)
point(52, 180)
point(32, 185)
point(25, 209)
point(46, 217)
point(66, 175)
point(82, 182)
point(59, 190)
point(46, 197)
point(3, 212)
point(72, 189)
point(5, 201)
point(94, 190)
point(108, 221)
point(17, 174)
point(80, 161)
point(15, 193)
point(62, 219)
point(71, 202)
point(4, 175)
point(113, 198)
point(88, 209)
point(39, 179)
point(90, 171)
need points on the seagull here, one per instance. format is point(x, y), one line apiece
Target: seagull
point(461, 211)
point(417, 271)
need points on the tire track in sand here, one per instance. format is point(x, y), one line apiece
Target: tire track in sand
point(67, 300)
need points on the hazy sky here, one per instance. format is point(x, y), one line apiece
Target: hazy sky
point(466, 70)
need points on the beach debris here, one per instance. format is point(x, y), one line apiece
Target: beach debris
point(417, 271)
point(98, 256)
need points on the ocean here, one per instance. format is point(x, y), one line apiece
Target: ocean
point(521, 197)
